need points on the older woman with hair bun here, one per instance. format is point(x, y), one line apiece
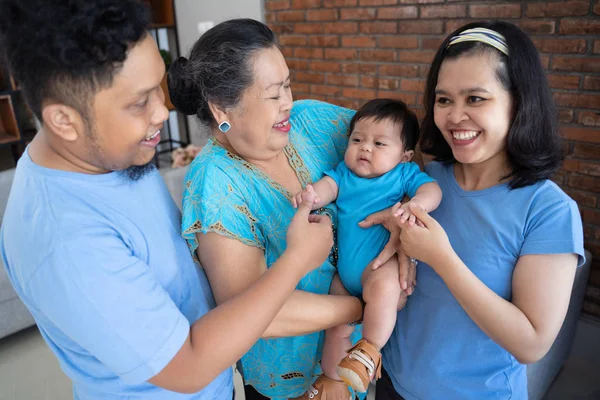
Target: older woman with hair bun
point(238, 194)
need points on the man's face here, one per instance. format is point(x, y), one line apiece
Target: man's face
point(128, 115)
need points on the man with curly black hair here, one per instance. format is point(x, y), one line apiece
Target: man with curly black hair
point(90, 237)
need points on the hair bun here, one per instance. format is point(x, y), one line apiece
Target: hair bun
point(182, 87)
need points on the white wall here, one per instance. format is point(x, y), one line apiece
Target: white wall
point(191, 12)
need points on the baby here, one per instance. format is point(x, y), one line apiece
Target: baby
point(375, 175)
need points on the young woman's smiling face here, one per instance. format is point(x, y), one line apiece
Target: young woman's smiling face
point(472, 109)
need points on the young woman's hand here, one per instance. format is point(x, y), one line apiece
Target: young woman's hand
point(428, 243)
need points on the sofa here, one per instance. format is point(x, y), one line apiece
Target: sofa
point(14, 316)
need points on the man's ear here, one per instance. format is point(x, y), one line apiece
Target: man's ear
point(64, 121)
point(407, 156)
point(218, 113)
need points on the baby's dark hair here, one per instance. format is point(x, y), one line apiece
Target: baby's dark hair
point(219, 69)
point(65, 51)
point(397, 112)
point(533, 145)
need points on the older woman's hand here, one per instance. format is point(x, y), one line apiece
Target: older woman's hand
point(407, 271)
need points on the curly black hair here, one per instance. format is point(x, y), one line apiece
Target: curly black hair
point(67, 50)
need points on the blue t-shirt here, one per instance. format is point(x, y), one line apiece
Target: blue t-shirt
point(436, 350)
point(100, 263)
point(358, 198)
point(232, 197)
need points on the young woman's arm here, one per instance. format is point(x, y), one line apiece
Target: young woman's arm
point(231, 267)
point(525, 327)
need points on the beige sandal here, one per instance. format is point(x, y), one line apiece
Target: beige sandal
point(360, 366)
point(325, 386)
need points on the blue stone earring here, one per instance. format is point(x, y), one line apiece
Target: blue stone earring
point(224, 126)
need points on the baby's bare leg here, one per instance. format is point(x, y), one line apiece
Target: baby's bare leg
point(337, 339)
point(383, 297)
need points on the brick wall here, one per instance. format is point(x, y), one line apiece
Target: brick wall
point(349, 51)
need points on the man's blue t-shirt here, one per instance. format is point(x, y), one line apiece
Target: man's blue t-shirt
point(436, 350)
point(357, 199)
point(100, 263)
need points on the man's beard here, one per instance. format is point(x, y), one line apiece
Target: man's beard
point(137, 172)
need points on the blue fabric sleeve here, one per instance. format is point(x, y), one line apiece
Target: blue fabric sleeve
point(414, 178)
point(554, 229)
point(337, 173)
point(108, 301)
point(214, 201)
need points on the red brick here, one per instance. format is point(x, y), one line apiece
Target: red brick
point(545, 61)
point(558, 9)
point(563, 81)
point(270, 17)
point(379, 27)
point(287, 52)
point(283, 28)
point(379, 83)
point(291, 16)
point(432, 43)
point(398, 70)
point(293, 40)
point(585, 150)
point(376, 2)
point(589, 118)
point(325, 66)
point(326, 90)
point(582, 167)
point(537, 27)
point(591, 216)
point(378, 55)
point(584, 199)
point(359, 41)
point(421, 27)
point(423, 71)
point(597, 8)
point(581, 134)
point(309, 77)
point(589, 183)
point(420, 1)
point(596, 46)
point(554, 46)
point(306, 3)
point(322, 15)
point(497, 11)
point(324, 41)
point(351, 104)
point(308, 27)
point(340, 27)
point(446, 11)
point(277, 5)
point(408, 98)
point(412, 85)
point(591, 83)
point(339, 3)
point(559, 178)
point(369, 81)
point(580, 26)
point(356, 93)
point(341, 54)
point(307, 52)
point(454, 24)
point(565, 116)
point(399, 42)
point(297, 65)
point(342, 80)
point(590, 307)
point(575, 64)
point(577, 100)
point(397, 12)
point(358, 13)
point(367, 69)
point(417, 57)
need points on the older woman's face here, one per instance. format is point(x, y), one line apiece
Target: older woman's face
point(260, 123)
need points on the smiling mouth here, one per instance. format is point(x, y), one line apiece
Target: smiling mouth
point(465, 135)
point(148, 139)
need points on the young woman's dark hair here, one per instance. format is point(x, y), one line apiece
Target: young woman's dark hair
point(394, 110)
point(67, 50)
point(533, 144)
point(219, 69)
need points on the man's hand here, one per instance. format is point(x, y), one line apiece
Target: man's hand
point(309, 236)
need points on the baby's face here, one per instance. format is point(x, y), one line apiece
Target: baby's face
point(375, 147)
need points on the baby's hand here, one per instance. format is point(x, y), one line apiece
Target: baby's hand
point(403, 212)
point(309, 191)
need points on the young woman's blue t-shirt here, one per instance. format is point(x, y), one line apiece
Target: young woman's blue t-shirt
point(436, 350)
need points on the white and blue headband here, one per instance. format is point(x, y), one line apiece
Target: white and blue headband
point(482, 35)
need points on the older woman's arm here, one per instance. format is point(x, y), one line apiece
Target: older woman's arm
point(232, 266)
